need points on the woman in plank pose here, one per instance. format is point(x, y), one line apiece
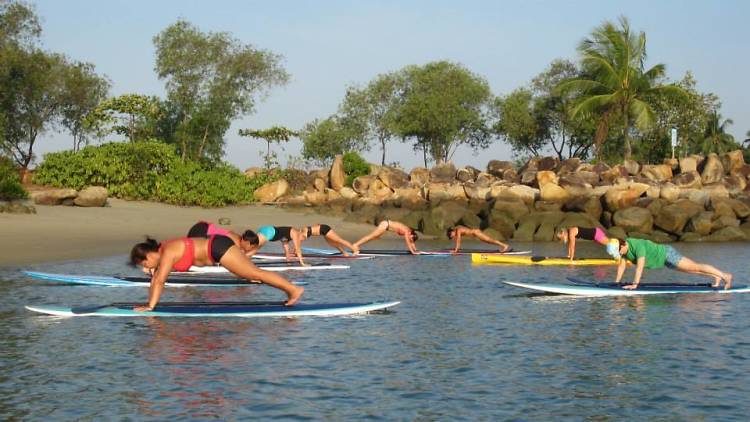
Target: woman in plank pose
point(285, 234)
point(182, 253)
point(458, 231)
point(206, 229)
point(570, 235)
point(647, 254)
point(401, 229)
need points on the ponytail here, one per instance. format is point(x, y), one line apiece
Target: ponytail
point(139, 251)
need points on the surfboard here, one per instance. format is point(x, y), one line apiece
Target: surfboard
point(485, 258)
point(401, 252)
point(275, 266)
point(583, 288)
point(274, 256)
point(219, 309)
point(127, 281)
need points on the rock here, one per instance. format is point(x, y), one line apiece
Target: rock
point(485, 179)
point(494, 234)
point(548, 164)
point(511, 176)
point(251, 172)
point(653, 191)
point(692, 237)
point(741, 209)
point(527, 194)
point(528, 177)
point(501, 223)
point(701, 223)
point(672, 163)
point(544, 177)
point(716, 190)
point(659, 173)
point(735, 184)
point(724, 221)
point(529, 223)
point(419, 176)
point(447, 214)
point(695, 195)
point(589, 177)
point(393, 178)
point(437, 192)
point(713, 170)
point(745, 227)
point(362, 184)
point(464, 175)
point(68, 202)
point(378, 191)
point(655, 236)
point(618, 198)
point(721, 207)
point(727, 234)
point(498, 168)
point(575, 189)
point(553, 193)
point(315, 198)
point(319, 184)
point(733, 160)
point(743, 171)
point(337, 177)
point(634, 219)
point(443, 173)
point(92, 196)
point(547, 206)
point(579, 219)
point(617, 233)
point(367, 213)
point(17, 207)
point(673, 218)
point(395, 214)
point(348, 193)
point(513, 208)
point(612, 174)
point(688, 165)
point(632, 167)
point(469, 219)
point(569, 166)
point(688, 180)
point(53, 196)
point(669, 192)
point(531, 164)
point(592, 206)
point(473, 191)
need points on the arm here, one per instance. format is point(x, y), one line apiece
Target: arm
point(297, 240)
point(157, 285)
point(287, 254)
point(458, 241)
point(620, 270)
point(235, 238)
point(410, 244)
point(638, 272)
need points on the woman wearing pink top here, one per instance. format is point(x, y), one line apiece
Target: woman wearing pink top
point(206, 229)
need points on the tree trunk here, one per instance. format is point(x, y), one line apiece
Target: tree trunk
point(382, 144)
point(626, 137)
point(203, 143)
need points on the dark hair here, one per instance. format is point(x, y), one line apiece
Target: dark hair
point(139, 251)
point(414, 236)
point(621, 243)
point(448, 232)
point(251, 237)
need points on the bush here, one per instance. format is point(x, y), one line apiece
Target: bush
point(10, 182)
point(354, 166)
point(148, 170)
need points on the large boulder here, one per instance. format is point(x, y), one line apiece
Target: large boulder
point(740, 208)
point(669, 192)
point(378, 191)
point(485, 179)
point(348, 193)
point(320, 184)
point(528, 177)
point(735, 184)
point(716, 190)
point(53, 196)
point(548, 164)
point(443, 173)
point(733, 160)
point(579, 219)
point(437, 192)
point(592, 206)
point(713, 170)
point(688, 164)
point(659, 172)
point(362, 184)
point(724, 221)
point(544, 177)
point(701, 223)
point(547, 206)
point(529, 223)
point(393, 178)
point(514, 208)
point(610, 175)
point(634, 219)
point(673, 218)
point(315, 198)
point(656, 236)
point(337, 176)
point(447, 214)
point(526, 193)
point(251, 172)
point(511, 176)
point(589, 177)
point(270, 192)
point(631, 166)
point(465, 174)
point(551, 192)
point(498, 168)
point(473, 191)
point(618, 198)
point(419, 176)
point(569, 166)
point(96, 196)
point(501, 223)
point(688, 180)
point(727, 234)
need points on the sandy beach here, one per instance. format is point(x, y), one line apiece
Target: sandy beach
point(58, 233)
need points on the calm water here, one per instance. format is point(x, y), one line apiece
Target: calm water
point(461, 346)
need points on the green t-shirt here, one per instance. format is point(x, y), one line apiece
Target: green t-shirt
point(655, 254)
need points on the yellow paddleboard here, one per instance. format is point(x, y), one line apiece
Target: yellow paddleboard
point(486, 258)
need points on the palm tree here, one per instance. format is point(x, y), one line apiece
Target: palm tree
point(615, 84)
point(715, 138)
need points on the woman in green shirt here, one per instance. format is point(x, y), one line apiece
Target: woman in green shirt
point(647, 254)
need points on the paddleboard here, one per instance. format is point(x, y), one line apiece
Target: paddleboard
point(401, 252)
point(126, 281)
point(610, 289)
point(214, 269)
point(273, 256)
point(485, 258)
point(221, 309)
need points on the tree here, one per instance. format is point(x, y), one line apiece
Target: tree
point(519, 123)
point(276, 134)
point(128, 115)
point(212, 79)
point(615, 83)
point(372, 110)
point(19, 25)
point(83, 90)
point(716, 139)
point(322, 140)
point(442, 106)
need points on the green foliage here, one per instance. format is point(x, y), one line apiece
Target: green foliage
point(10, 182)
point(354, 166)
point(148, 170)
point(83, 91)
point(128, 115)
point(324, 139)
point(277, 134)
point(715, 138)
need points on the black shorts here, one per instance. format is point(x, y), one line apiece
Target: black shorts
point(218, 245)
point(324, 229)
point(198, 230)
point(283, 233)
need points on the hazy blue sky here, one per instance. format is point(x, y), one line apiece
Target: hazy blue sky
point(329, 44)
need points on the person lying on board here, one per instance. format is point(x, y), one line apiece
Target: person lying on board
point(251, 241)
point(570, 235)
point(458, 231)
point(410, 235)
point(182, 253)
point(647, 254)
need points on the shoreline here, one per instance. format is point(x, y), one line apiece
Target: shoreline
point(63, 233)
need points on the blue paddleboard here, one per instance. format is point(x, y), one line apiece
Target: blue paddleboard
point(126, 281)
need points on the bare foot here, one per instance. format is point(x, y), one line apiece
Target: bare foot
point(717, 282)
point(294, 297)
point(728, 281)
point(355, 250)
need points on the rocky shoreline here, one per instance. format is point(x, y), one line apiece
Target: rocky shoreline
point(693, 199)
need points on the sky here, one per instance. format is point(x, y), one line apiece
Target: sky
point(328, 45)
